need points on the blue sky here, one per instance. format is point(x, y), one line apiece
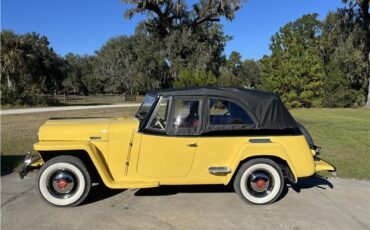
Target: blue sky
point(82, 26)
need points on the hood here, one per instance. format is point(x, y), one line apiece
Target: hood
point(78, 129)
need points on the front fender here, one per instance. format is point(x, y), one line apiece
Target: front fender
point(250, 150)
point(90, 149)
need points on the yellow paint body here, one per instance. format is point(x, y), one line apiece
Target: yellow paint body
point(126, 158)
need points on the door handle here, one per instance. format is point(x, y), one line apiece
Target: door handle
point(192, 145)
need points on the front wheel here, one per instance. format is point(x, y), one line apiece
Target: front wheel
point(259, 181)
point(64, 181)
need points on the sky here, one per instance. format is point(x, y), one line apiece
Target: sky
point(83, 26)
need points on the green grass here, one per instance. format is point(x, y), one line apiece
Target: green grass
point(8, 106)
point(19, 131)
point(343, 134)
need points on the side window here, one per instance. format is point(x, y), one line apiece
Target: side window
point(224, 112)
point(159, 117)
point(186, 113)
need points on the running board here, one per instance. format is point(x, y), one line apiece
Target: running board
point(219, 170)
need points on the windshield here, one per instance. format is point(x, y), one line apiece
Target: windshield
point(145, 106)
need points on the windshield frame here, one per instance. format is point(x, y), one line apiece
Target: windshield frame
point(150, 107)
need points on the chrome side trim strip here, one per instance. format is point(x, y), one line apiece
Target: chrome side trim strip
point(219, 170)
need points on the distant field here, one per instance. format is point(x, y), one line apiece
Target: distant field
point(343, 134)
point(73, 100)
point(19, 131)
point(98, 99)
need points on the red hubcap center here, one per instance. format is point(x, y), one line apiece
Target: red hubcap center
point(260, 183)
point(62, 183)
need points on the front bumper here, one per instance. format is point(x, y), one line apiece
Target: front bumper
point(31, 161)
point(321, 165)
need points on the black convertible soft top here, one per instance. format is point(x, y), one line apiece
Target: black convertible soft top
point(266, 109)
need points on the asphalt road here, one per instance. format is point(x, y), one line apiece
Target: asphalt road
point(313, 204)
point(65, 108)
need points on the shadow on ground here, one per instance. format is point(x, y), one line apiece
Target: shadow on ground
point(310, 182)
point(166, 190)
point(305, 183)
point(100, 192)
point(10, 163)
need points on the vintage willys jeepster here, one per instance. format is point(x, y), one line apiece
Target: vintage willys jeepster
point(179, 137)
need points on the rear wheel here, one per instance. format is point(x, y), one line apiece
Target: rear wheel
point(259, 181)
point(64, 181)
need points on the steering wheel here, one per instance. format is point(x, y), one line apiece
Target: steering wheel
point(158, 121)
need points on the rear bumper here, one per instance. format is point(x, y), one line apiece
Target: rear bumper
point(31, 161)
point(321, 165)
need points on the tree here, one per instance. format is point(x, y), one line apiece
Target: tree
point(234, 63)
point(131, 64)
point(188, 78)
point(251, 73)
point(151, 65)
point(200, 49)
point(166, 16)
point(28, 67)
point(231, 71)
point(79, 70)
point(239, 73)
point(345, 50)
point(342, 46)
point(228, 79)
point(295, 70)
point(190, 38)
point(358, 13)
point(359, 9)
point(113, 63)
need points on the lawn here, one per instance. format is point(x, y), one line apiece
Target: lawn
point(19, 131)
point(343, 134)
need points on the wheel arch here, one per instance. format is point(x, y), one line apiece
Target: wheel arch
point(85, 151)
point(284, 164)
point(78, 153)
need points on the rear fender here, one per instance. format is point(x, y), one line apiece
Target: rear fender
point(261, 150)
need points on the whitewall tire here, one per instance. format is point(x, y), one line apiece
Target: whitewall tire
point(64, 181)
point(259, 181)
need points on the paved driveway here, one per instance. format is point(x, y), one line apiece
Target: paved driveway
point(314, 204)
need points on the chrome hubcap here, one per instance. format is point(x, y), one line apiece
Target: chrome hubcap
point(62, 184)
point(260, 183)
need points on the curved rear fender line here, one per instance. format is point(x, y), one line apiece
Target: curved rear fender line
point(267, 150)
point(91, 151)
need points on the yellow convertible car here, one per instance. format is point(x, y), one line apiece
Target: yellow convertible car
point(178, 137)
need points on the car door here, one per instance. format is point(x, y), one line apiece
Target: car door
point(168, 142)
point(218, 145)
